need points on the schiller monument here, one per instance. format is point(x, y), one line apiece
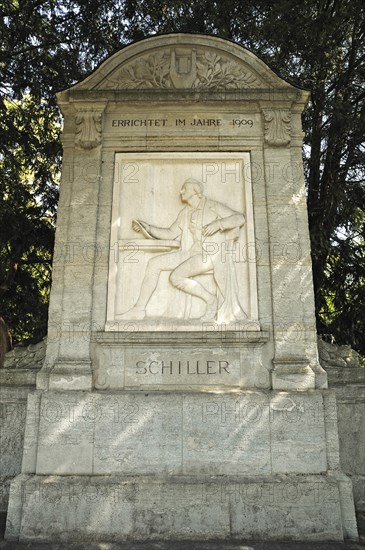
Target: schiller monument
point(181, 396)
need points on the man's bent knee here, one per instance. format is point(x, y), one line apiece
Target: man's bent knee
point(176, 279)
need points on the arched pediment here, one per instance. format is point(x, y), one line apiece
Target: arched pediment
point(183, 61)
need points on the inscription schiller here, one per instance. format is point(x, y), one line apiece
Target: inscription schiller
point(169, 367)
point(183, 367)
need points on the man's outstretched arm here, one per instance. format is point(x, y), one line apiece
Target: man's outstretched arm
point(151, 231)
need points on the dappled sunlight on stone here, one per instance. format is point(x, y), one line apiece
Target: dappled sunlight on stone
point(182, 398)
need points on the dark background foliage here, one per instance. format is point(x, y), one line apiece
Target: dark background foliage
point(49, 45)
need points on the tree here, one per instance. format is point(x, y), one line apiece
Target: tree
point(332, 67)
point(28, 199)
point(318, 44)
point(47, 46)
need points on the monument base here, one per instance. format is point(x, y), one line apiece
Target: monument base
point(119, 508)
point(151, 465)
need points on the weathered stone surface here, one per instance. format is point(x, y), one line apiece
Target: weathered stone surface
point(349, 403)
point(182, 240)
point(26, 357)
point(342, 364)
point(18, 377)
point(12, 422)
point(219, 359)
point(30, 447)
point(224, 194)
point(200, 128)
point(350, 400)
point(174, 368)
point(114, 508)
point(351, 426)
point(347, 378)
point(188, 433)
point(5, 341)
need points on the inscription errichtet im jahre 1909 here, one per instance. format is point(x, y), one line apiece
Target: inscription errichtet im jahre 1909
point(164, 122)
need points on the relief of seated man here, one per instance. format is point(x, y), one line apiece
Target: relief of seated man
point(201, 227)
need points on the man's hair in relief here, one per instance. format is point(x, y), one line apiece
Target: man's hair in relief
point(196, 185)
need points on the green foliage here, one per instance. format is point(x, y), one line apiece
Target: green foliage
point(46, 47)
point(28, 199)
point(319, 44)
point(344, 298)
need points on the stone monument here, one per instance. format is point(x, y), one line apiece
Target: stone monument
point(181, 396)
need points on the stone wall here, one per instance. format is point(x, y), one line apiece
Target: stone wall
point(347, 377)
point(342, 364)
point(26, 357)
point(17, 379)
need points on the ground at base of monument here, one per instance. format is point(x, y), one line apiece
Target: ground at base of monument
point(183, 545)
point(188, 545)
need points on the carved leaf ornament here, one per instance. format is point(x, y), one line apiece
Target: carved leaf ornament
point(215, 72)
point(150, 72)
point(88, 129)
point(277, 127)
point(159, 70)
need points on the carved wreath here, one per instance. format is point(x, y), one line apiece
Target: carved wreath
point(212, 71)
point(215, 72)
point(150, 72)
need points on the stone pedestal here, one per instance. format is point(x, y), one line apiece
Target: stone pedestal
point(181, 396)
point(117, 508)
point(171, 465)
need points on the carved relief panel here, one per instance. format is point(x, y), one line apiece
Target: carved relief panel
point(179, 68)
point(182, 242)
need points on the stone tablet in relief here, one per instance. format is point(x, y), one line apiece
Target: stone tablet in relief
point(183, 240)
point(201, 221)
